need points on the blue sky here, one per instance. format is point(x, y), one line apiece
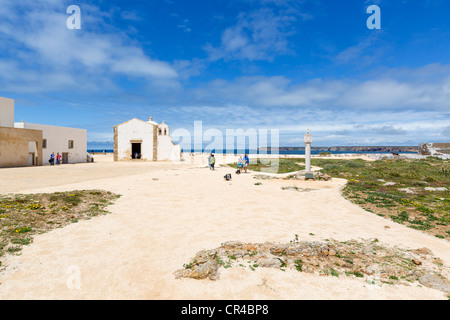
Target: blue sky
point(233, 64)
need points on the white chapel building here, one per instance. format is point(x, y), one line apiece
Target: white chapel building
point(144, 140)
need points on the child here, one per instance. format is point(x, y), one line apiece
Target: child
point(52, 159)
point(240, 165)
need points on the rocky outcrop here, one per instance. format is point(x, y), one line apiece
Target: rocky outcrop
point(301, 175)
point(435, 281)
point(432, 149)
point(367, 259)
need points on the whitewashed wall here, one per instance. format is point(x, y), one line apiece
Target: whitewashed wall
point(134, 130)
point(167, 150)
point(58, 141)
point(6, 112)
point(138, 130)
point(176, 153)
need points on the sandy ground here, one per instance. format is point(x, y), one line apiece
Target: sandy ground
point(168, 212)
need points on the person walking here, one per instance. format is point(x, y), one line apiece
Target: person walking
point(212, 162)
point(58, 158)
point(52, 159)
point(209, 160)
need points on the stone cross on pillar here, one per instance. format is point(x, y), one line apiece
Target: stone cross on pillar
point(308, 140)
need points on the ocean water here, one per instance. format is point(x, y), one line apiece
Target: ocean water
point(100, 150)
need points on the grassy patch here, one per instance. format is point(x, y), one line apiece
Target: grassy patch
point(23, 216)
point(282, 165)
point(411, 192)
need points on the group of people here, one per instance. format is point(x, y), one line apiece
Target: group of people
point(53, 158)
point(243, 163)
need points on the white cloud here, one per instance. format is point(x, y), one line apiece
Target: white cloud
point(184, 26)
point(42, 47)
point(258, 35)
point(382, 93)
point(39, 54)
point(402, 106)
point(367, 51)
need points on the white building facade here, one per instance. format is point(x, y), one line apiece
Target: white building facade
point(70, 143)
point(144, 140)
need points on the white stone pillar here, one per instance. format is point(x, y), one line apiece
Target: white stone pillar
point(308, 140)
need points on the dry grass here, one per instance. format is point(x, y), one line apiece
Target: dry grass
point(23, 216)
point(415, 193)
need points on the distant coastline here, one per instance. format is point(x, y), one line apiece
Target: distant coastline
point(374, 149)
point(315, 150)
point(299, 150)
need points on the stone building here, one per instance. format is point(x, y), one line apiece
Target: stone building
point(70, 143)
point(18, 147)
point(144, 140)
point(26, 144)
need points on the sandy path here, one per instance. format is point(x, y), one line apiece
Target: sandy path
point(158, 225)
